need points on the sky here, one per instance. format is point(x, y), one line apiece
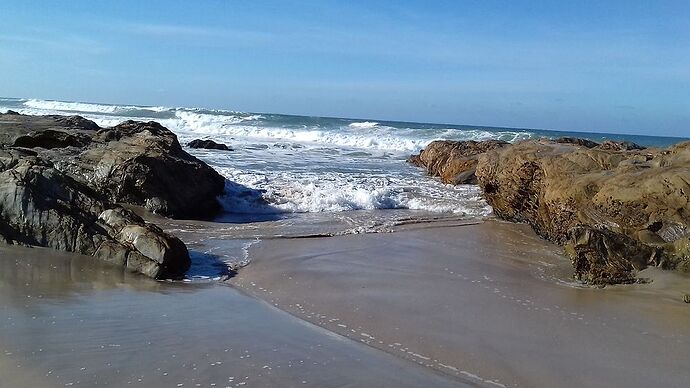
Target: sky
point(601, 66)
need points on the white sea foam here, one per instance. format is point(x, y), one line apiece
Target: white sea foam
point(373, 140)
point(364, 125)
point(63, 106)
point(294, 192)
point(286, 165)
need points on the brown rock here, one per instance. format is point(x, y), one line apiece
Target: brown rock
point(611, 145)
point(616, 206)
point(629, 200)
point(453, 161)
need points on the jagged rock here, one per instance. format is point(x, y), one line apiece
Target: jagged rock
point(61, 177)
point(600, 256)
point(52, 139)
point(453, 161)
point(611, 145)
point(41, 206)
point(577, 141)
point(12, 113)
point(77, 122)
point(636, 202)
point(133, 162)
point(208, 144)
point(615, 206)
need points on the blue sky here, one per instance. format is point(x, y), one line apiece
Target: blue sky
point(606, 66)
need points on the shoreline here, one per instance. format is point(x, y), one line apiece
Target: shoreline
point(69, 321)
point(459, 317)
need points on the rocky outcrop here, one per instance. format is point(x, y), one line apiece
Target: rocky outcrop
point(616, 207)
point(208, 144)
point(41, 206)
point(611, 145)
point(62, 180)
point(133, 162)
point(577, 141)
point(453, 161)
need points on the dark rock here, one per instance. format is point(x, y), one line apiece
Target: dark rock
point(577, 141)
point(610, 145)
point(77, 122)
point(60, 181)
point(453, 161)
point(12, 113)
point(52, 139)
point(41, 206)
point(143, 164)
point(208, 144)
point(600, 256)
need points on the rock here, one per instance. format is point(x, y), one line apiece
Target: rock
point(77, 122)
point(42, 206)
point(208, 144)
point(453, 161)
point(61, 179)
point(611, 145)
point(616, 207)
point(577, 141)
point(605, 257)
point(634, 207)
point(52, 139)
point(12, 113)
point(143, 164)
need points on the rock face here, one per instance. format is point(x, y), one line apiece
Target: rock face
point(208, 144)
point(616, 207)
point(133, 162)
point(41, 206)
point(453, 161)
point(62, 177)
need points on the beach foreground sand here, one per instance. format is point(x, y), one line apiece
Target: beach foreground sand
point(490, 303)
point(67, 321)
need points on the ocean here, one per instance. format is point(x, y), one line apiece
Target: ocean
point(301, 175)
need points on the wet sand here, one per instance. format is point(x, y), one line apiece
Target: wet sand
point(489, 303)
point(68, 321)
point(439, 304)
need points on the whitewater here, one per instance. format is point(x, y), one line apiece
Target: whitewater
point(291, 165)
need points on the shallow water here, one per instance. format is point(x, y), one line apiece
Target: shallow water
point(492, 303)
point(66, 320)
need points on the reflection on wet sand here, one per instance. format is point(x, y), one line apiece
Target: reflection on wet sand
point(69, 321)
point(492, 303)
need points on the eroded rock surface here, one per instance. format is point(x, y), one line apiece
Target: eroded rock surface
point(615, 206)
point(453, 161)
point(62, 179)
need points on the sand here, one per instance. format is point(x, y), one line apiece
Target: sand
point(66, 321)
point(487, 304)
point(490, 303)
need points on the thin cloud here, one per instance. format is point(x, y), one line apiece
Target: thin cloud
point(68, 43)
point(196, 34)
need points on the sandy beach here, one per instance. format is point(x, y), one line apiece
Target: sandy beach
point(67, 321)
point(490, 303)
point(487, 304)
